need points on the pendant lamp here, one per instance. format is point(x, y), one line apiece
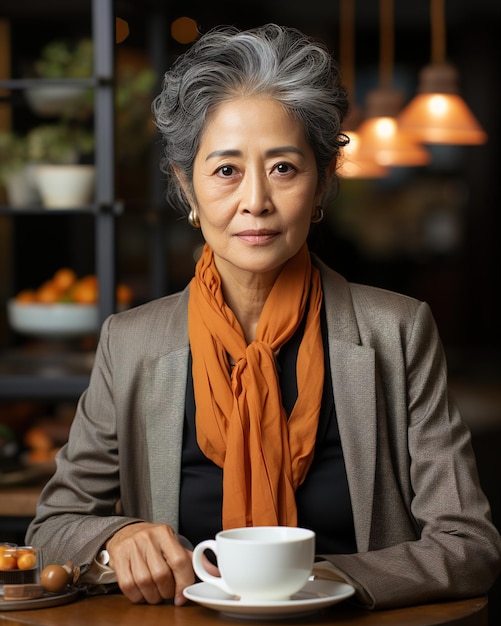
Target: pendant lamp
point(380, 135)
point(121, 30)
point(351, 164)
point(438, 114)
point(382, 138)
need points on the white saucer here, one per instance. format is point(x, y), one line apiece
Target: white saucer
point(315, 595)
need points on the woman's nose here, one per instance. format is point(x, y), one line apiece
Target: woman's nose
point(255, 193)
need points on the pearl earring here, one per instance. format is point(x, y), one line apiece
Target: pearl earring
point(193, 219)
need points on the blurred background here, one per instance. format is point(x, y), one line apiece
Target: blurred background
point(429, 230)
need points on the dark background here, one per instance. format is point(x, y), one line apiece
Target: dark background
point(431, 232)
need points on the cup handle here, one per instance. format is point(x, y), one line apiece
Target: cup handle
point(198, 566)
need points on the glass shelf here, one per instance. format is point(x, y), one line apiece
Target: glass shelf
point(40, 210)
point(40, 388)
point(44, 372)
point(37, 209)
point(15, 84)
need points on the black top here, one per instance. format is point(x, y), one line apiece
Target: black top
point(323, 500)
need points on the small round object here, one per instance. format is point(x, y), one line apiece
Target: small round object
point(7, 562)
point(26, 560)
point(54, 578)
point(103, 557)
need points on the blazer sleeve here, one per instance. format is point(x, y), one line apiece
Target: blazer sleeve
point(76, 512)
point(457, 552)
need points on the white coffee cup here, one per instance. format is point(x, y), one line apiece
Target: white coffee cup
point(260, 563)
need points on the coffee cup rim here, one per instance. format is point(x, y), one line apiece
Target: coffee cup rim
point(298, 534)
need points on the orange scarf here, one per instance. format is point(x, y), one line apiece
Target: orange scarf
point(241, 423)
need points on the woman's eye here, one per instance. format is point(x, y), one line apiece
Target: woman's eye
point(226, 170)
point(283, 168)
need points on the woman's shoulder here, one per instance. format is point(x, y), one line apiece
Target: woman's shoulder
point(159, 307)
point(370, 298)
point(158, 325)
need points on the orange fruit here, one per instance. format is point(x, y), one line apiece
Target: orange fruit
point(47, 293)
point(26, 560)
point(38, 439)
point(7, 561)
point(26, 296)
point(124, 294)
point(85, 291)
point(64, 279)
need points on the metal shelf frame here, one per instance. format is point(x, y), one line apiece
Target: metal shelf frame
point(105, 206)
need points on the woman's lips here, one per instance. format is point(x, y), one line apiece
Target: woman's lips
point(257, 236)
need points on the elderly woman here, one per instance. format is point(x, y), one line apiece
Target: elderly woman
point(270, 391)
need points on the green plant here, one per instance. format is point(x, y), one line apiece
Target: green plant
point(133, 93)
point(59, 143)
point(65, 59)
point(13, 154)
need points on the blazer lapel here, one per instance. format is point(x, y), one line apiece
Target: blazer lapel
point(353, 379)
point(354, 385)
point(164, 397)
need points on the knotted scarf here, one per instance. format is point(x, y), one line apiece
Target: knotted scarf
point(240, 421)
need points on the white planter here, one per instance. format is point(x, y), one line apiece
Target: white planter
point(22, 188)
point(65, 186)
point(59, 100)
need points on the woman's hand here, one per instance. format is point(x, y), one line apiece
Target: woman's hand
point(150, 563)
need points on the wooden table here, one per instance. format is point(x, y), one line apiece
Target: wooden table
point(116, 609)
point(20, 501)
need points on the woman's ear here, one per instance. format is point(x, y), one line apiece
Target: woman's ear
point(184, 183)
point(331, 169)
point(324, 185)
point(180, 177)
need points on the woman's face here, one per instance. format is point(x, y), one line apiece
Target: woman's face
point(256, 186)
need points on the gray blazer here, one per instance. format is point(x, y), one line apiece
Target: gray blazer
point(422, 523)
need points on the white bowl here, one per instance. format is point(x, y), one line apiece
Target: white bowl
point(65, 186)
point(59, 100)
point(53, 321)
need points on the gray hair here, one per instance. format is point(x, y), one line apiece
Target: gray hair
point(274, 61)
